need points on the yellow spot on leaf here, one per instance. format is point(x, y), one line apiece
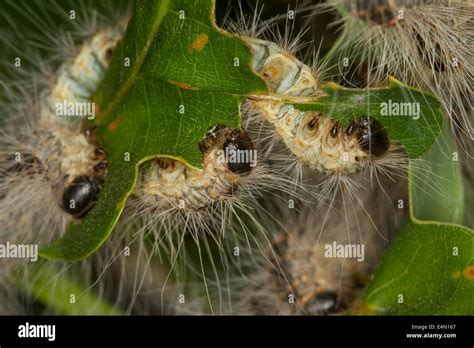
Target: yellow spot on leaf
point(456, 275)
point(119, 205)
point(199, 43)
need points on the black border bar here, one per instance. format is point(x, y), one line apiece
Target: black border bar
point(137, 330)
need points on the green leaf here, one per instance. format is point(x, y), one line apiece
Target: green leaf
point(183, 78)
point(437, 191)
point(415, 132)
point(50, 286)
point(430, 268)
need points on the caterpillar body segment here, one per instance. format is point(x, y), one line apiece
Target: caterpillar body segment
point(313, 138)
point(170, 184)
point(284, 74)
point(77, 80)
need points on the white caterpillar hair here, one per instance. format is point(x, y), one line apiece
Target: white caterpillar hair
point(44, 155)
point(293, 139)
point(423, 43)
point(361, 208)
point(301, 272)
point(183, 229)
point(48, 157)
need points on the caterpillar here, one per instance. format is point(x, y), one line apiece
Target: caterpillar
point(51, 153)
point(313, 139)
point(45, 149)
point(167, 184)
point(172, 201)
point(423, 43)
point(300, 272)
point(65, 166)
point(51, 171)
point(173, 204)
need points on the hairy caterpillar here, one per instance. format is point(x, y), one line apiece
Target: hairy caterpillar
point(301, 273)
point(359, 216)
point(312, 138)
point(75, 166)
point(50, 152)
point(423, 43)
point(167, 185)
point(50, 170)
point(171, 199)
point(66, 168)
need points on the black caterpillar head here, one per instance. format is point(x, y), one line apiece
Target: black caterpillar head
point(238, 141)
point(233, 143)
point(81, 195)
point(372, 137)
